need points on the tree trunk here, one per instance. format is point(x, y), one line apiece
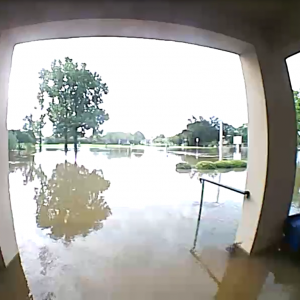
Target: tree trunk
point(40, 135)
point(75, 142)
point(40, 140)
point(66, 140)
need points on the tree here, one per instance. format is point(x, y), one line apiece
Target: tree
point(35, 127)
point(12, 141)
point(204, 130)
point(71, 202)
point(24, 137)
point(118, 138)
point(207, 131)
point(138, 137)
point(122, 138)
point(243, 131)
point(229, 132)
point(76, 95)
point(161, 139)
point(215, 122)
point(176, 139)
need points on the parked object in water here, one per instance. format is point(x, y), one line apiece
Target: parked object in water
point(292, 233)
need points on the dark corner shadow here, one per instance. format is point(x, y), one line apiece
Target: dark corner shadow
point(13, 284)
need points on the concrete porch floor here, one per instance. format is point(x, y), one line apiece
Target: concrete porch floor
point(272, 277)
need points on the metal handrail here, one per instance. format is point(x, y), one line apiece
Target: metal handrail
point(203, 180)
point(246, 193)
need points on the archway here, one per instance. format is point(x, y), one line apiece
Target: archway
point(258, 125)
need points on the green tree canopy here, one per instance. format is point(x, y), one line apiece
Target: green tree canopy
point(138, 137)
point(161, 139)
point(122, 138)
point(117, 137)
point(12, 141)
point(203, 130)
point(76, 96)
point(24, 137)
point(207, 131)
point(176, 139)
point(243, 131)
point(35, 127)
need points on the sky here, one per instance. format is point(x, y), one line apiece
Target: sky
point(293, 64)
point(154, 86)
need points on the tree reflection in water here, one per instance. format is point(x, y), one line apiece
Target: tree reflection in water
point(71, 202)
point(25, 163)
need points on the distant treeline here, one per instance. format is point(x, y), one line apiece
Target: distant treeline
point(121, 138)
point(201, 132)
point(20, 139)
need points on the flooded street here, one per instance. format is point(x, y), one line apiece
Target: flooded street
point(120, 223)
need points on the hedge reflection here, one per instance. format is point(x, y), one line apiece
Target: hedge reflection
point(71, 202)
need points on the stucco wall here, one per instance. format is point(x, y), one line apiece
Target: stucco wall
point(231, 18)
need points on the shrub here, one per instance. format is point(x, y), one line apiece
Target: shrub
point(206, 165)
point(230, 164)
point(24, 137)
point(223, 164)
point(183, 166)
point(239, 164)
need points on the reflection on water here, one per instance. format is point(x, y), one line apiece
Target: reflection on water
point(142, 250)
point(193, 156)
point(25, 163)
point(193, 160)
point(117, 152)
point(71, 202)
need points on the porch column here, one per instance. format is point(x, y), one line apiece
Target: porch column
point(272, 149)
point(8, 244)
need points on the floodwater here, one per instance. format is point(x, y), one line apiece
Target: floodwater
point(120, 224)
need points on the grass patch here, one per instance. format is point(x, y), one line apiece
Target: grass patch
point(206, 165)
point(183, 166)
